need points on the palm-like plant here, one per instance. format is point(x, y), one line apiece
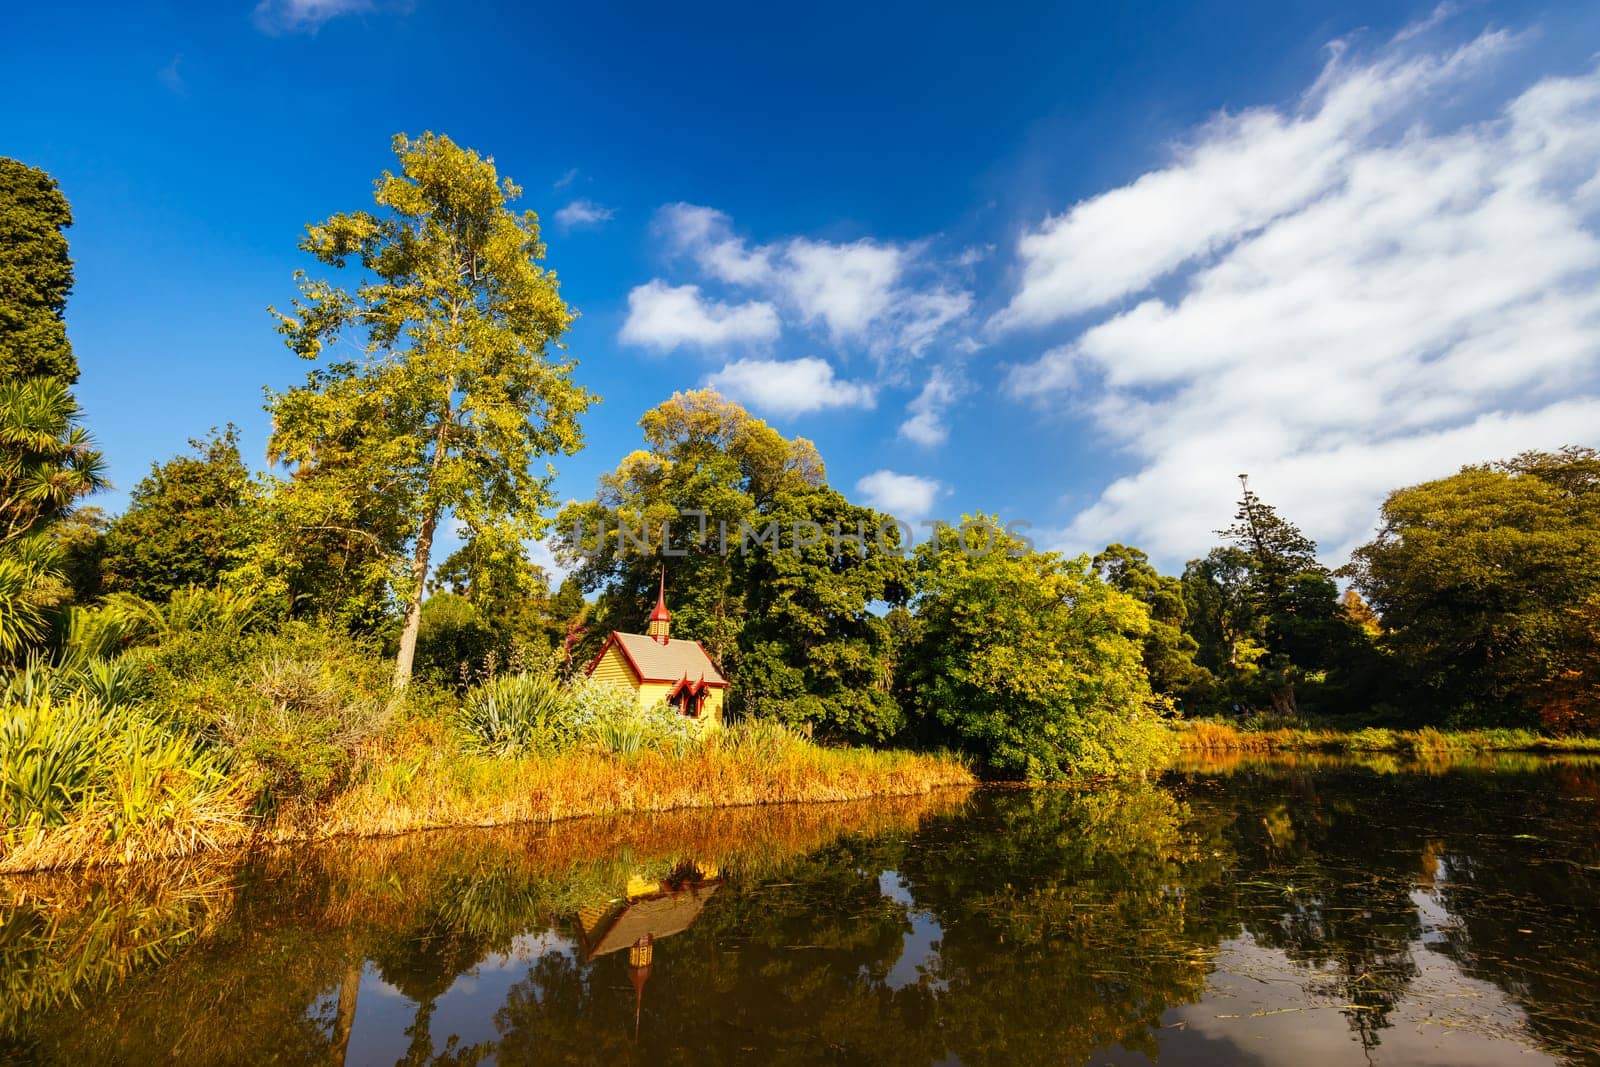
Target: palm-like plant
point(47, 463)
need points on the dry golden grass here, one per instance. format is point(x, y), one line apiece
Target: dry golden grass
point(455, 789)
point(1202, 736)
point(421, 781)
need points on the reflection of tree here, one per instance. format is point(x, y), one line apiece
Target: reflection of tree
point(1522, 890)
point(1064, 921)
point(1067, 924)
point(1330, 886)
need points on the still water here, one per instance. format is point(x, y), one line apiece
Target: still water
point(1300, 913)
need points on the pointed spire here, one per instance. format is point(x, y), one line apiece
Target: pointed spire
point(660, 624)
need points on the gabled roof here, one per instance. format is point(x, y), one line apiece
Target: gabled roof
point(653, 661)
point(658, 916)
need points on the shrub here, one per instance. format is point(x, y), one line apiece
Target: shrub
point(302, 726)
point(107, 785)
point(51, 752)
point(608, 716)
point(516, 714)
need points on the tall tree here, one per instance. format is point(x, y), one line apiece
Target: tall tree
point(1293, 599)
point(191, 521)
point(789, 618)
point(35, 275)
point(1485, 583)
point(1030, 661)
point(1169, 652)
point(461, 385)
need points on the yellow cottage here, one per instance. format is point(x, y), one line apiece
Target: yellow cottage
point(663, 670)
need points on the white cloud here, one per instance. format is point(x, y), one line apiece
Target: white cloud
point(305, 16)
point(568, 176)
point(583, 213)
point(907, 497)
point(1346, 307)
point(925, 422)
point(1242, 172)
point(880, 294)
point(663, 317)
point(790, 387)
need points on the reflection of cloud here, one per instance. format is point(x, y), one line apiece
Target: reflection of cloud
point(1271, 1011)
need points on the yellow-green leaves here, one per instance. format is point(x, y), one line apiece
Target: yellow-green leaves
point(456, 385)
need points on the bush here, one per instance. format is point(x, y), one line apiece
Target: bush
point(118, 782)
point(303, 724)
point(52, 752)
point(517, 714)
point(608, 716)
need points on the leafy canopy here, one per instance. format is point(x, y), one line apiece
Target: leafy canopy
point(35, 275)
point(1031, 661)
point(460, 386)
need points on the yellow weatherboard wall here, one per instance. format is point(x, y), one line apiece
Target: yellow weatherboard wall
point(614, 668)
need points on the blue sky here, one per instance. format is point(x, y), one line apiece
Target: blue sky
point(1079, 265)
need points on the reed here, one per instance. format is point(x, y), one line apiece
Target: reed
point(1204, 736)
point(746, 765)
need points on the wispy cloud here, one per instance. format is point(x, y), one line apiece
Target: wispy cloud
point(664, 317)
point(278, 17)
point(566, 179)
point(1351, 297)
point(583, 213)
point(886, 297)
point(790, 387)
point(925, 416)
point(171, 78)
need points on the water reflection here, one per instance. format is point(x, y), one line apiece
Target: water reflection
point(1305, 913)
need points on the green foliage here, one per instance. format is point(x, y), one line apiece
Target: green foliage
point(301, 724)
point(52, 752)
point(73, 757)
point(35, 276)
point(518, 714)
point(191, 521)
point(1169, 652)
point(454, 643)
point(1487, 584)
point(459, 388)
point(1031, 662)
point(47, 463)
point(793, 629)
point(1268, 620)
point(509, 595)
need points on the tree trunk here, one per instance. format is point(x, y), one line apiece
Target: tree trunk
point(419, 579)
point(345, 1021)
point(419, 559)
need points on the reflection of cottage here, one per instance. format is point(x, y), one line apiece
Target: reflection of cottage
point(662, 670)
point(651, 909)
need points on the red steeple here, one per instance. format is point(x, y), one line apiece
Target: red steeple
point(660, 624)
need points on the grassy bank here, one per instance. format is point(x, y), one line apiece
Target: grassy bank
point(188, 729)
point(418, 785)
point(1215, 737)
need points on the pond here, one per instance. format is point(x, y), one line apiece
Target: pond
point(1285, 912)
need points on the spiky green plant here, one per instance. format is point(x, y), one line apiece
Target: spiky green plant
point(53, 753)
point(515, 714)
